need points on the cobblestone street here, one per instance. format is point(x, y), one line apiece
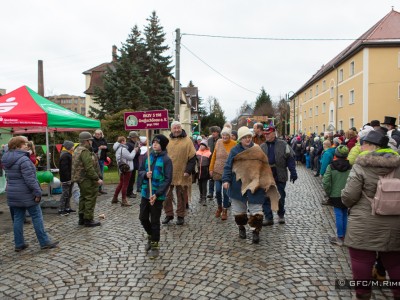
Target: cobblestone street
point(203, 259)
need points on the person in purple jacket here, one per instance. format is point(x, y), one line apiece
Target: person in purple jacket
point(24, 193)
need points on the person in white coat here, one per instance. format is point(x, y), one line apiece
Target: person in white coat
point(122, 155)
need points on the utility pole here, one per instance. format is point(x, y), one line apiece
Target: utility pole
point(177, 73)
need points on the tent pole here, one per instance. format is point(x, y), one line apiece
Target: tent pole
point(49, 197)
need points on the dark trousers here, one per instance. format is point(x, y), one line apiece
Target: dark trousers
point(129, 190)
point(203, 188)
point(150, 217)
point(66, 195)
point(363, 260)
point(267, 203)
point(211, 185)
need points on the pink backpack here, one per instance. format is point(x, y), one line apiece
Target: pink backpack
point(386, 201)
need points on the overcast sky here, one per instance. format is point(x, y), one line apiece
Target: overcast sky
point(73, 36)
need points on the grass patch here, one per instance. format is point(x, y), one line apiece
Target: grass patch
point(111, 176)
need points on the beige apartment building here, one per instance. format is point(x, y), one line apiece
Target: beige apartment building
point(74, 103)
point(362, 83)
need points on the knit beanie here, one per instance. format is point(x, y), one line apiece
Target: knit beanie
point(204, 142)
point(68, 145)
point(162, 140)
point(341, 151)
point(226, 130)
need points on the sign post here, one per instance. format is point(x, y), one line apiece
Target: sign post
point(151, 119)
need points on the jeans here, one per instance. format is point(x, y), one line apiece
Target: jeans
point(363, 260)
point(341, 221)
point(218, 193)
point(37, 221)
point(281, 206)
point(211, 187)
point(239, 207)
point(150, 217)
point(101, 165)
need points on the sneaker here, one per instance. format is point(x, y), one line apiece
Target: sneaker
point(209, 196)
point(180, 221)
point(167, 219)
point(70, 210)
point(335, 240)
point(148, 245)
point(102, 192)
point(154, 251)
point(63, 213)
point(281, 220)
point(268, 222)
point(52, 245)
point(23, 247)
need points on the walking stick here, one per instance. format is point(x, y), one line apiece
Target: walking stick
point(148, 160)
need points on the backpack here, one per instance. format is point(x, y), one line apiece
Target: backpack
point(386, 201)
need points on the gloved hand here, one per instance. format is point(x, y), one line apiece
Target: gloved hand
point(293, 178)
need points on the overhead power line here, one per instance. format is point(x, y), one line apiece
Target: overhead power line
point(219, 73)
point(270, 38)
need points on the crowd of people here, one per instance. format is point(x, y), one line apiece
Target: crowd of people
point(246, 170)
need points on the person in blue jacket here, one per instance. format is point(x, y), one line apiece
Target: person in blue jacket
point(151, 205)
point(24, 193)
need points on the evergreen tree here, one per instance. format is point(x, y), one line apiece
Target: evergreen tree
point(216, 116)
point(263, 105)
point(158, 87)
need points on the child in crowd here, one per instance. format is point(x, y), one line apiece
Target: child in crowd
point(334, 181)
point(160, 176)
point(203, 156)
point(65, 164)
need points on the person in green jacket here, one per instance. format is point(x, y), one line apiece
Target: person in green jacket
point(334, 181)
point(86, 172)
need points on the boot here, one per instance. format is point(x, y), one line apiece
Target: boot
point(256, 222)
point(224, 215)
point(125, 202)
point(167, 219)
point(219, 211)
point(81, 221)
point(241, 220)
point(148, 245)
point(180, 221)
point(114, 199)
point(154, 251)
point(91, 223)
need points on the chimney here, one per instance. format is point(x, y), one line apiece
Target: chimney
point(40, 78)
point(114, 53)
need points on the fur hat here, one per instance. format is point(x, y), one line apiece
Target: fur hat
point(244, 131)
point(341, 151)
point(226, 130)
point(68, 145)
point(162, 140)
point(204, 142)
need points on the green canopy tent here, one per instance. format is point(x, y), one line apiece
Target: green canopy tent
point(25, 111)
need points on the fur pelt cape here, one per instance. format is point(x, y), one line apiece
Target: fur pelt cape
point(252, 168)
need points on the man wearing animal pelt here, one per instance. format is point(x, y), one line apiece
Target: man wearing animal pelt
point(248, 179)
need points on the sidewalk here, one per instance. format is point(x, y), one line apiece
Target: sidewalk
point(204, 259)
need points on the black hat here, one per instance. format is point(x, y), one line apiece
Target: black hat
point(389, 121)
point(375, 123)
point(376, 138)
point(162, 140)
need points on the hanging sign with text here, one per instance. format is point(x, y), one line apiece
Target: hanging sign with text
point(151, 119)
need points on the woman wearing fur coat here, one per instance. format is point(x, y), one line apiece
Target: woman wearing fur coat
point(248, 178)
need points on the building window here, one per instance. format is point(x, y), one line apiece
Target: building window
point(352, 69)
point(305, 115)
point(310, 129)
point(323, 107)
point(305, 96)
point(341, 101)
point(316, 110)
point(324, 85)
point(340, 75)
point(351, 97)
point(310, 114)
point(331, 116)
point(351, 123)
point(323, 128)
point(331, 92)
point(316, 128)
point(316, 90)
point(310, 94)
point(340, 125)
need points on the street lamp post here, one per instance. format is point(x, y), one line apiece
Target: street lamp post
point(288, 95)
